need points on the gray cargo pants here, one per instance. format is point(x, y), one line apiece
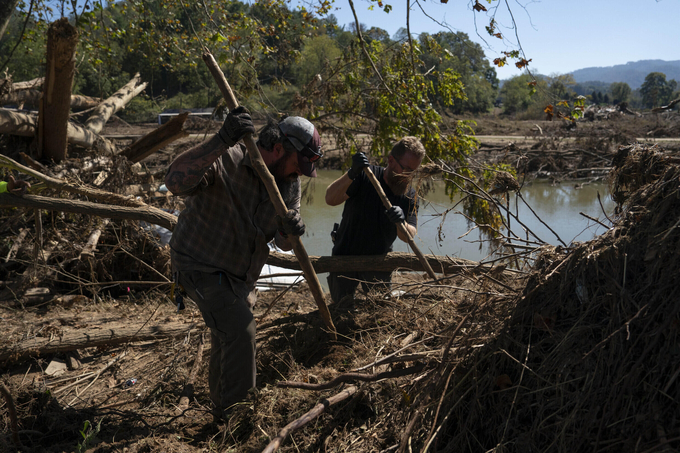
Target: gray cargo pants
point(232, 370)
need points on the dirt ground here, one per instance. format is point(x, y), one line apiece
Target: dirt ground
point(398, 372)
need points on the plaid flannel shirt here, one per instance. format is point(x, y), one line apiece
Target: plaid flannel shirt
point(228, 221)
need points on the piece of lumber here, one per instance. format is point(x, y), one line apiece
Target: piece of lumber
point(308, 417)
point(109, 334)
point(275, 196)
point(383, 263)
point(400, 226)
point(32, 98)
point(55, 104)
point(145, 213)
point(101, 114)
point(16, 245)
point(157, 139)
point(92, 241)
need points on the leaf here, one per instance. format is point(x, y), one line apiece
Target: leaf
point(549, 112)
point(563, 103)
point(522, 63)
point(500, 62)
point(477, 7)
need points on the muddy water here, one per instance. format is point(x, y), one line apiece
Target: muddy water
point(558, 206)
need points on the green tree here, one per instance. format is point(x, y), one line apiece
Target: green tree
point(455, 51)
point(317, 53)
point(516, 94)
point(620, 92)
point(655, 90)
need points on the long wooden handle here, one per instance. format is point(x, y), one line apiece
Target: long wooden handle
point(275, 196)
point(400, 226)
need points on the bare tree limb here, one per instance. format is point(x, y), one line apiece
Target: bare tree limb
point(308, 417)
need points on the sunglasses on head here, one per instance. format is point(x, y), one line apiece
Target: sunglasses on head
point(311, 154)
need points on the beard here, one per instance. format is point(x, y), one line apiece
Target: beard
point(288, 184)
point(289, 189)
point(398, 183)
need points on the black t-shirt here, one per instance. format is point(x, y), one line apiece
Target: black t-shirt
point(365, 228)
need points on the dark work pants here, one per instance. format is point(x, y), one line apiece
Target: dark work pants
point(232, 369)
point(344, 284)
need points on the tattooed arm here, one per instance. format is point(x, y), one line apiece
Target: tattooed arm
point(187, 170)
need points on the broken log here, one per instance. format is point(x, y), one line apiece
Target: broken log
point(157, 139)
point(110, 334)
point(146, 213)
point(24, 125)
point(32, 98)
point(383, 263)
point(55, 105)
point(120, 98)
point(15, 123)
point(28, 85)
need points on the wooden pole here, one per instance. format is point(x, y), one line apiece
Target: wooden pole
point(400, 226)
point(274, 195)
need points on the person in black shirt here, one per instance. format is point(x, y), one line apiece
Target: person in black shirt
point(367, 228)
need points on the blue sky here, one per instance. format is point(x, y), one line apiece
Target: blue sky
point(558, 35)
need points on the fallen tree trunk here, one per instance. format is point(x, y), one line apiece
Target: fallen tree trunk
point(55, 104)
point(108, 335)
point(383, 263)
point(157, 139)
point(113, 104)
point(147, 213)
point(24, 125)
point(14, 123)
point(32, 98)
point(28, 85)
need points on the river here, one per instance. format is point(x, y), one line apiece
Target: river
point(557, 205)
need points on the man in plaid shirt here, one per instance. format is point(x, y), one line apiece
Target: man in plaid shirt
point(219, 245)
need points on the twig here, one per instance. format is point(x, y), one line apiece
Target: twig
point(276, 299)
point(96, 374)
point(308, 417)
point(541, 220)
point(352, 377)
point(593, 219)
point(189, 389)
point(11, 408)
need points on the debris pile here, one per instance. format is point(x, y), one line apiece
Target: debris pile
point(589, 360)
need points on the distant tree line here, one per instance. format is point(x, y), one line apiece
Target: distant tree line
point(276, 55)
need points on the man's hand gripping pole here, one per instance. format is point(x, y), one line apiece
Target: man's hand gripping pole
point(274, 195)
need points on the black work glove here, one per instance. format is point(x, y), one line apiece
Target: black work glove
point(395, 214)
point(359, 161)
point(237, 124)
point(291, 224)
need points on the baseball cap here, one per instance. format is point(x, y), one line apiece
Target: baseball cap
point(305, 138)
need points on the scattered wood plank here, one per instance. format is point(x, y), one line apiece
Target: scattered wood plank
point(157, 139)
point(110, 334)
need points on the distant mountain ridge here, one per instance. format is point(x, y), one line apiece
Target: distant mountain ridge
point(633, 72)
